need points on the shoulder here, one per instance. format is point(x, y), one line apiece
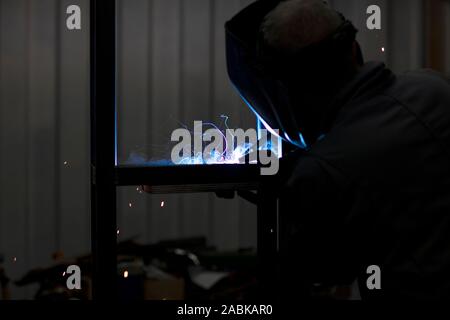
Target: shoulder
point(424, 83)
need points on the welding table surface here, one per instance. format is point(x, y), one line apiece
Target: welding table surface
point(190, 178)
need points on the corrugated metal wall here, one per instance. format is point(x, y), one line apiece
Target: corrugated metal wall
point(171, 67)
point(44, 109)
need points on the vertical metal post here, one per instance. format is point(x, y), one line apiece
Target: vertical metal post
point(103, 149)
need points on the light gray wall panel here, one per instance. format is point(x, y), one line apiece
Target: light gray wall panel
point(195, 98)
point(15, 144)
point(74, 127)
point(133, 105)
point(406, 45)
point(165, 105)
point(42, 134)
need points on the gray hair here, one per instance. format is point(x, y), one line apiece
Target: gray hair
point(295, 24)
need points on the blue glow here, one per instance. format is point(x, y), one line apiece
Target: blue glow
point(235, 156)
point(301, 144)
point(224, 154)
point(259, 128)
point(302, 141)
point(266, 125)
point(231, 154)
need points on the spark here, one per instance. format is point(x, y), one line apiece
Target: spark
point(227, 157)
point(118, 231)
point(225, 118)
point(225, 154)
point(130, 205)
point(125, 274)
point(235, 156)
point(383, 49)
point(223, 135)
point(66, 163)
point(15, 259)
point(163, 204)
point(64, 274)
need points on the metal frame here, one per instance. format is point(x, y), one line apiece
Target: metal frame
point(103, 149)
point(107, 176)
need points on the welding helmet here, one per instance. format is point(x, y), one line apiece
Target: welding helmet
point(279, 87)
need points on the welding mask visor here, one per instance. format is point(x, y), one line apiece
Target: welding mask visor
point(268, 82)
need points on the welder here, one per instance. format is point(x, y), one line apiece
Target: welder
point(369, 182)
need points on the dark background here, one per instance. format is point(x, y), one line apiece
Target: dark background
point(171, 70)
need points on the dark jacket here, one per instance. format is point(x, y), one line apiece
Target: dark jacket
point(375, 190)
